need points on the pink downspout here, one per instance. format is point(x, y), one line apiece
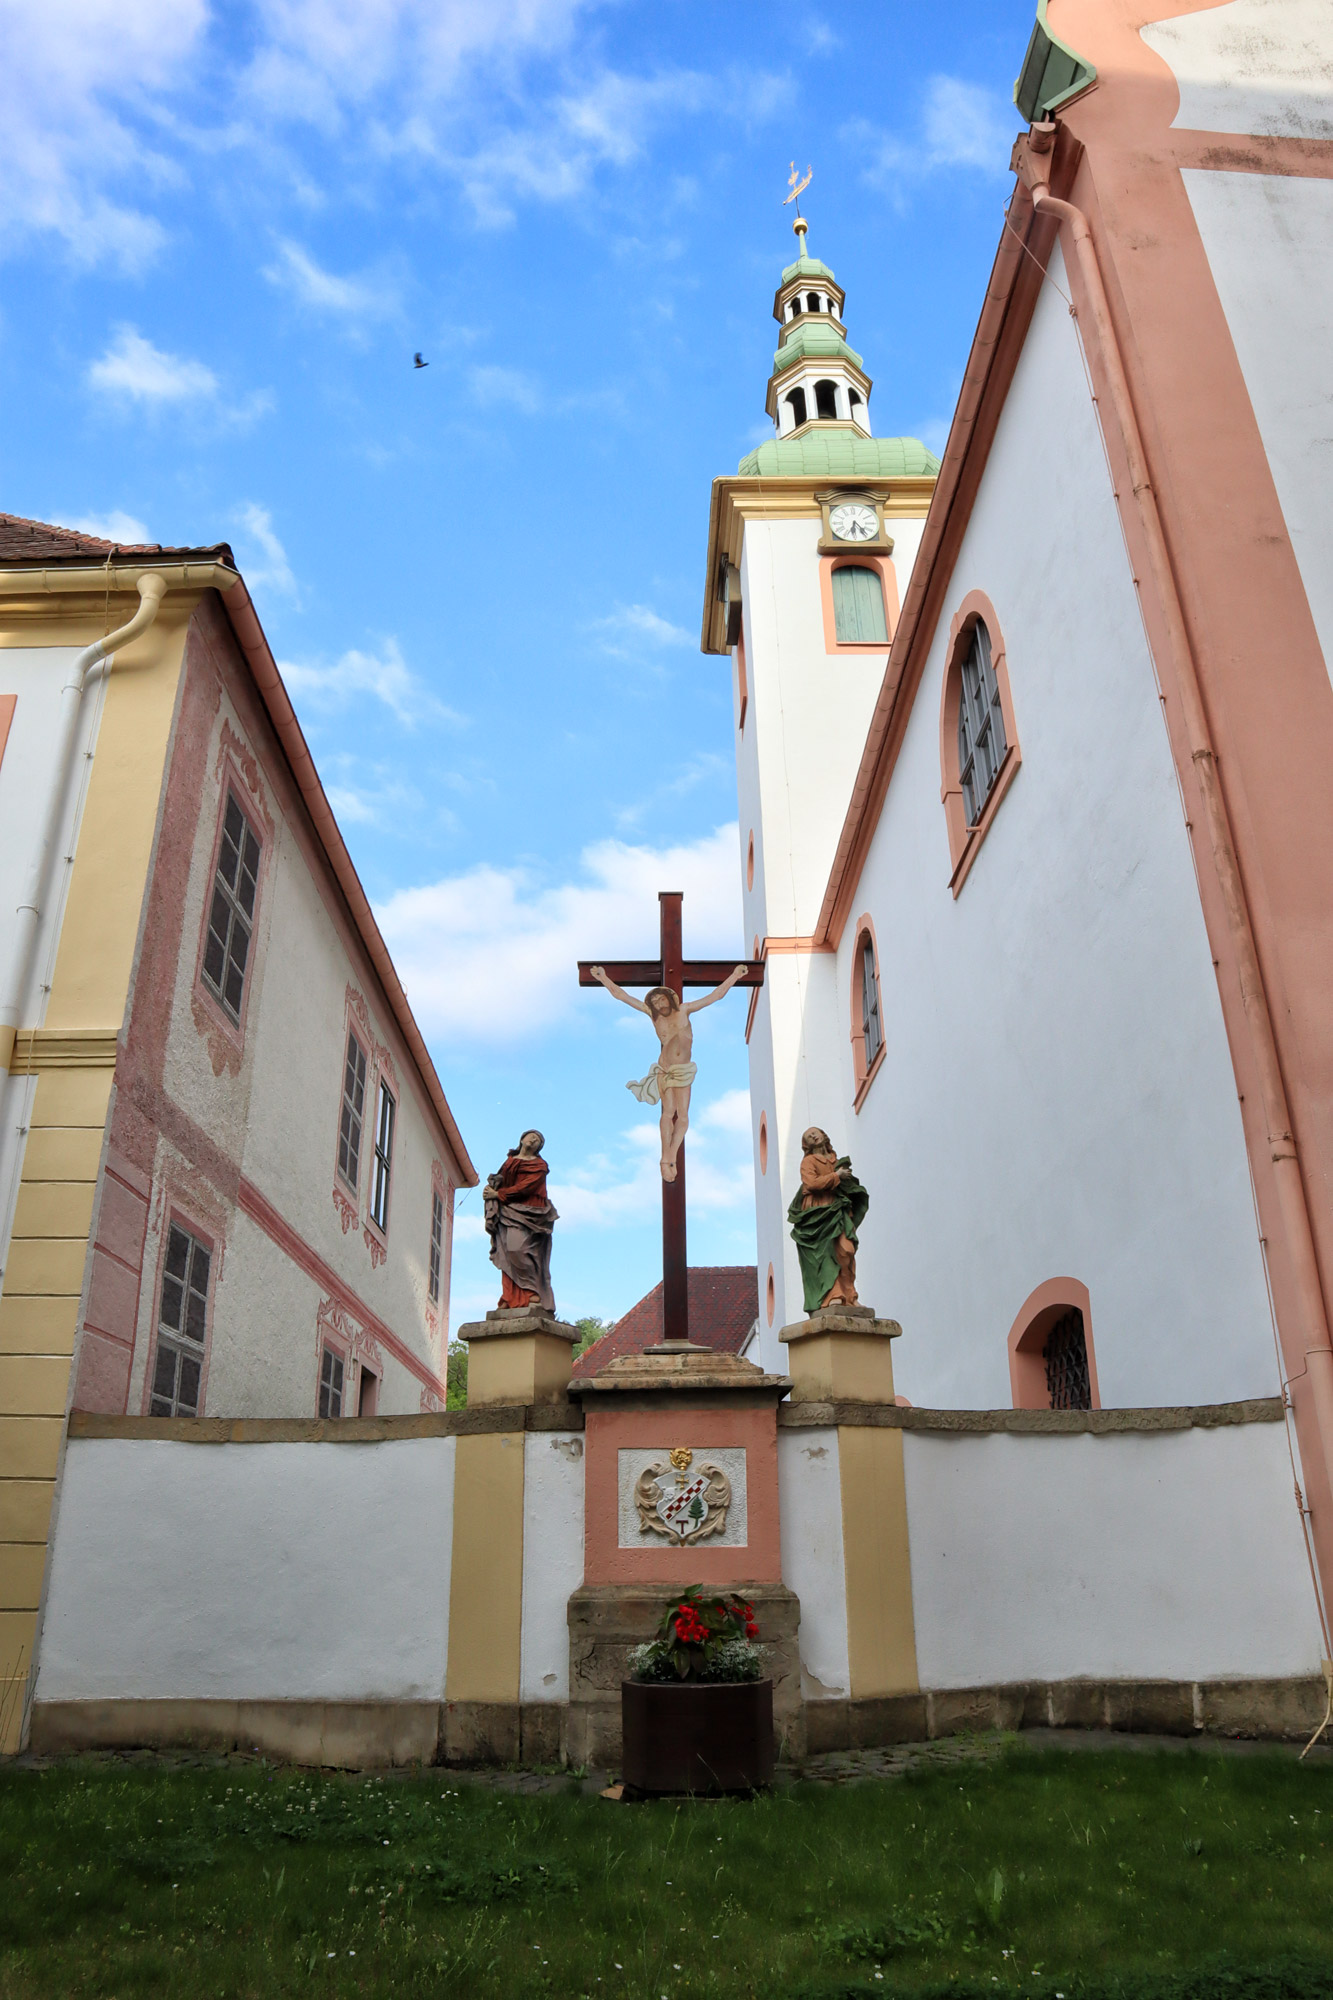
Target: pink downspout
point(1288, 1178)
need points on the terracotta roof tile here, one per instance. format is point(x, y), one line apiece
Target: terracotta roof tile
point(723, 1308)
point(23, 541)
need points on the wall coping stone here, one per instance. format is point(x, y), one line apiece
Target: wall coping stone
point(1038, 1423)
point(329, 1430)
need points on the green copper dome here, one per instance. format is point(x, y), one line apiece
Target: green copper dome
point(808, 267)
point(810, 338)
point(841, 453)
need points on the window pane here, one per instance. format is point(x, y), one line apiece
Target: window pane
point(194, 1317)
point(164, 1378)
point(187, 1396)
point(178, 1251)
point(173, 1294)
point(227, 946)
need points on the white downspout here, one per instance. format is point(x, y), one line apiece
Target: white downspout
point(38, 887)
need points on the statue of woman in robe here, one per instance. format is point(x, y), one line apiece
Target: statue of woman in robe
point(824, 1218)
point(519, 1221)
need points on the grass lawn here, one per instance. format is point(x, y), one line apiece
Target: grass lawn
point(1032, 1873)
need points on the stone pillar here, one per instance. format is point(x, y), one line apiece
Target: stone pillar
point(841, 1360)
point(515, 1360)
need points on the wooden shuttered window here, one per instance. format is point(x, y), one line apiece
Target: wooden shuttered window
point(981, 738)
point(858, 607)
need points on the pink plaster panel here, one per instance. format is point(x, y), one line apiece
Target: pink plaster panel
point(103, 1380)
point(122, 1220)
point(113, 1300)
point(608, 1432)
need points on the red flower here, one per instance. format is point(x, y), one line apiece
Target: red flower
point(752, 1630)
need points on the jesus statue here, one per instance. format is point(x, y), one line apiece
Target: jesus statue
point(669, 1080)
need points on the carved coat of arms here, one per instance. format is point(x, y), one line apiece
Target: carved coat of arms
point(682, 1500)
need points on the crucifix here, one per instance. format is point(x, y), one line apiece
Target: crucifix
point(669, 1080)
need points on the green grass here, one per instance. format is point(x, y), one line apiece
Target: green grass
point(1092, 1874)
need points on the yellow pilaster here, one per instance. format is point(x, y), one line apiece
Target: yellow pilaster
point(72, 1055)
point(486, 1580)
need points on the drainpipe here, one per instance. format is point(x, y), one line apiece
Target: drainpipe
point(1033, 162)
point(37, 889)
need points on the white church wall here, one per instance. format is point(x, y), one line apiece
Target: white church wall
point(250, 1572)
point(1057, 1097)
point(810, 1508)
point(1131, 1556)
point(1268, 239)
point(553, 1469)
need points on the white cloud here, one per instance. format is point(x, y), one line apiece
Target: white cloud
point(960, 125)
point(631, 627)
point(133, 370)
point(324, 291)
point(117, 526)
point(609, 1193)
point(384, 676)
point(74, 77)
point(273, 571)
point(491, 953)
point(507, 388)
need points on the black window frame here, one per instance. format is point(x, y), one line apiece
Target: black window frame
point(436, 1245)
point(381, 1166)
point(982, 740)
point(231, 913)
point(181, 1341)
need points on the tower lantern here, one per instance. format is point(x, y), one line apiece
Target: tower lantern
point(817, 379)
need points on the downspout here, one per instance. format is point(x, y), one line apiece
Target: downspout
point(1033, 162)
point(37, 888)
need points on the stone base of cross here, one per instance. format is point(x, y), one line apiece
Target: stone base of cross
point(672, 969)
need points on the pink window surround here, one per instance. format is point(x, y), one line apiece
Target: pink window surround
point(1027, 1340)
point(964, 840)
point(884, 570)
point(763, 1142)
point(359, 1351)
point(8, 703)
point(742, 687)
point(186, 1218)
point(236, 771)
point(864, 1074)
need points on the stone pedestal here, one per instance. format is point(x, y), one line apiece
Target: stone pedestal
point(522, 1356)
point(841, 1355)
point(655, 1424)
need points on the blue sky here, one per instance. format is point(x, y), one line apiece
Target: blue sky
point(225, 231)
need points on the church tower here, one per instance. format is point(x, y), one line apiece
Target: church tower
point(811, 544)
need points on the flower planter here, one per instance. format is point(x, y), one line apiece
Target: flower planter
point(696, 1736)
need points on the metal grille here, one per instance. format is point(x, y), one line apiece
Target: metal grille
point(981, 739)
point(1066, 1355)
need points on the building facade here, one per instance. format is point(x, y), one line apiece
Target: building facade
point(227, 1166)
point(1039, 857)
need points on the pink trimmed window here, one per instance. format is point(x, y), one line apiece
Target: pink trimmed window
point(353, 1113)
point(182, 1326)
point(979, 753)
point(436, 1243)
point(867, 1012)
point(382, 1166)
point(1052, 1362)
point(332, 1381)
point(231, 912)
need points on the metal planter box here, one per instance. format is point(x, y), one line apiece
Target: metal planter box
point(696, 1736)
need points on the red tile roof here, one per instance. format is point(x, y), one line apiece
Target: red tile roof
point(24, 541)
point(723, 1308)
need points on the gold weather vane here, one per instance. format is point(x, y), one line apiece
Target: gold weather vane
point(797, 186)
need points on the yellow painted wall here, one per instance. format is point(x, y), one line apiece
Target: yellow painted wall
point(48, 1249)
point(881, 1634)
point(486, 1581)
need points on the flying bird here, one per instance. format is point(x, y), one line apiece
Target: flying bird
point(417, 362)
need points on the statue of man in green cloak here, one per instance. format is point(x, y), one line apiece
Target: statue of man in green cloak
point(825, 1216)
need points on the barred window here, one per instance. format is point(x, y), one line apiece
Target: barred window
point(331, 1383)
point(858, 607)
point(353, 1112)
point(379, 1188)
point(872, 1027)
point(231, 914)
point(1068, 1380)
point(981, 739)
point(182, 1318)
point(436, 1243)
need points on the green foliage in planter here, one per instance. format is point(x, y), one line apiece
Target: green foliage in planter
point(702, 1639)
point(729, 1660)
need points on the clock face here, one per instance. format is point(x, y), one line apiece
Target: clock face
point(853, 521)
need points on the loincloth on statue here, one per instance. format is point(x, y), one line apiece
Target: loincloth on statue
point(664, 1076)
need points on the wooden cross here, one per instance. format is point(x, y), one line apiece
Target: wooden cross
point(676, 971)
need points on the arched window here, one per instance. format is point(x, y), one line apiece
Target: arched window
point(867, 1010)
point(853, 398)
point(858, 607)
point(812, 302)
point(826, 399)
point(981, 739)
point(1051, 1361)
point(796, 404)
point(872, 1030)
